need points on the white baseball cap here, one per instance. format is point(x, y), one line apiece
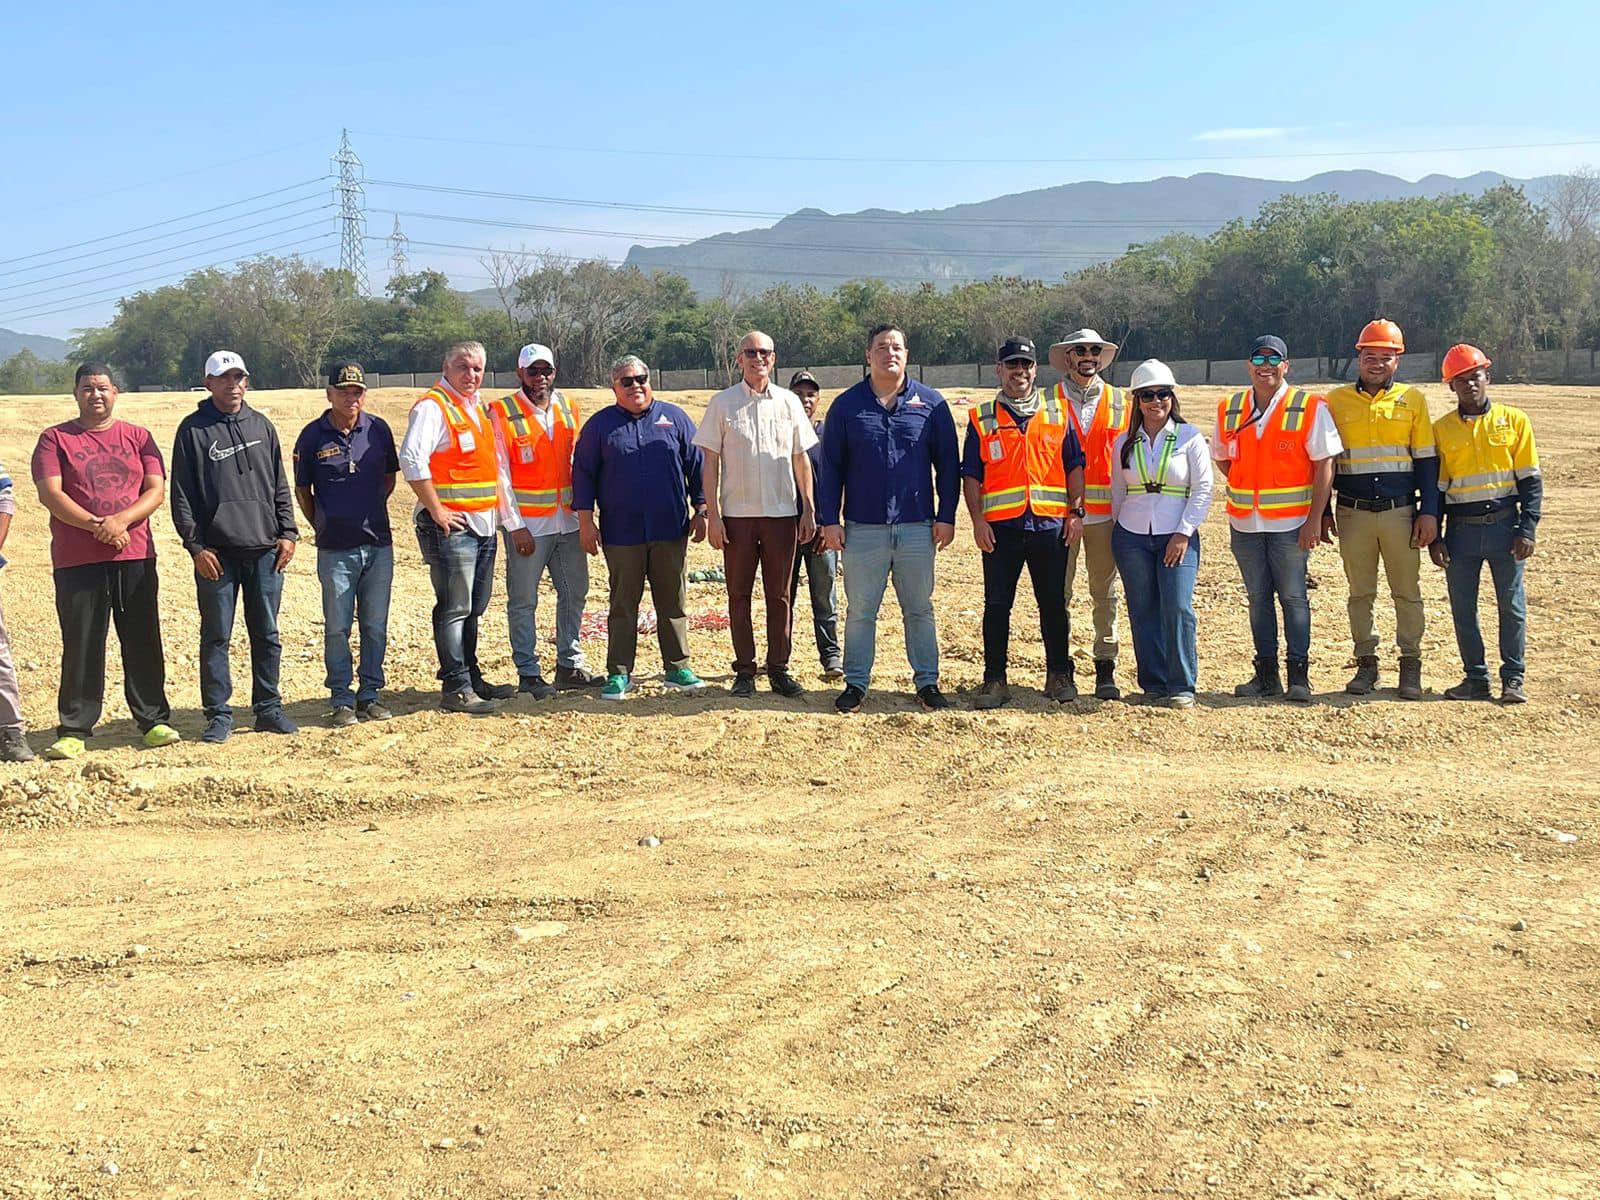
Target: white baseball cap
point(224, 361)
point(533, 352)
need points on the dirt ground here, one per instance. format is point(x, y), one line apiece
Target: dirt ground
point(1243, 951)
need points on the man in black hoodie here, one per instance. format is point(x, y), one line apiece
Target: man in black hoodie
point(232, 509)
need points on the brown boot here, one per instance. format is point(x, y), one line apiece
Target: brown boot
point(1365, 680)
point(1410, 679)
point(1058, 686)
point(992, 694)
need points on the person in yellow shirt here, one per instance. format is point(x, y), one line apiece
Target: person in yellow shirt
point(1493, 497)
point(1387, 460)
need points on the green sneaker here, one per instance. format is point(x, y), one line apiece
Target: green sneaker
point(684, 680)
point(616, 688)
point(65, 747)
point(161, 735)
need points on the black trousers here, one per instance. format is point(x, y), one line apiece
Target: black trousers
point(1045, 555)
point(88, 599)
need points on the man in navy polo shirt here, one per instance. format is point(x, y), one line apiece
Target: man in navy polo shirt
point(889, 449)
point(344, 471)
point(637, 461)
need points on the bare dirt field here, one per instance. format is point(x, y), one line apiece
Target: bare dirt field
point(1243, 951)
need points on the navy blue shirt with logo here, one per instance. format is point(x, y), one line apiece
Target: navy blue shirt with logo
point(348, 475)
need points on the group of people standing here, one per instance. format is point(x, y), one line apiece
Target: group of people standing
point(1080, 472)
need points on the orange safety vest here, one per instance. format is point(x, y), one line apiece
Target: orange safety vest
point(541, 463)
point(1271, 474)
point(1111, 417)
point(465, 471)
point(1021, 470)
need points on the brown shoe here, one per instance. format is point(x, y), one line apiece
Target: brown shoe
point(1058, 686)
point(992, 694)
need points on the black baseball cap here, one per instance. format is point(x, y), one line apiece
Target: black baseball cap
point(1016, 347)
point(800, 377)
point(1268, 342)
point(347, 374)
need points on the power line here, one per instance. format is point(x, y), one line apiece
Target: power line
point(635, 152)
point(158, 224)
point(118, 292)
point(96, 267)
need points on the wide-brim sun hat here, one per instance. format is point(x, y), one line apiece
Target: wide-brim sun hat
point(1081, 337)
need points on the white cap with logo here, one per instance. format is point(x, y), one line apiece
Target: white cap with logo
point(533, 352)
point(224, 361)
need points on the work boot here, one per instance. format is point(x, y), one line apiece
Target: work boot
point(992, 694)
point(1365, 680)
point(1469, 689)
point(1058, 686)
point(1410, 678)
point(1105, 680)
point(14, 746)
point(1299, 681)
point(1266, 682)
point(568, 678)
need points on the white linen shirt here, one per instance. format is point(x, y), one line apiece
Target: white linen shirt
point(1322, 442)
point(1139, 511)
point(427, 433)
point(756, 436)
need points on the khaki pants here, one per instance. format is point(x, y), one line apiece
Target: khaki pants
point(1096, 543)
point(1364, 538)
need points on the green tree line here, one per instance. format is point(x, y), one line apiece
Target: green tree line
point(1498, 269)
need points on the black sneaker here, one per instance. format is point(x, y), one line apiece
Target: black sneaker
point(275, 721)
point(1511, 691)
point(535, 686)
point(1469, 689)
point(342, 717)
point(493, 691)
point(931, 698)
point(785, 684)
point(850, 699)
point(744, 686)
point(569, 678)
point(468, 701)
point(218, 730)
point(373, 710)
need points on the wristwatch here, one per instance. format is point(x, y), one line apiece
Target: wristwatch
point(1077, 511)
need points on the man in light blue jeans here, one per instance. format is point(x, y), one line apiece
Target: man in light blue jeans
point(872, 554)
point(355, 592)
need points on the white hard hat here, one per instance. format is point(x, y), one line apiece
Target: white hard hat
point(1152, 372)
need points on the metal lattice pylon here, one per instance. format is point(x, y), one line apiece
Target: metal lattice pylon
point(352, 215)
point(399, 264)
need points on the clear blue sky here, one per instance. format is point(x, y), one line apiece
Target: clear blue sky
point(121, 116)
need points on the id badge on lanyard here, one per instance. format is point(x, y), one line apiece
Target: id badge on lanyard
point(468, 442)
point(996, 451)
point(527, 455)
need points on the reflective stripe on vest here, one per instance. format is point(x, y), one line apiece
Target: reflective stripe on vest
point(465, 473)
point(1110, 418)
point(1159, 485)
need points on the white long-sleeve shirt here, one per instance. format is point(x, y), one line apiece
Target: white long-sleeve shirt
point(1139, 511)
point(427, 433)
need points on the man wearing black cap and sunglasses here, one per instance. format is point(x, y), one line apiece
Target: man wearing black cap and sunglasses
point(1276, 447)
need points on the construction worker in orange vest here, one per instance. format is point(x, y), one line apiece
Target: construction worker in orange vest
point(1387, 461)
point(1098, 412)
point(538, 426)
point(452, 460)
point(1022, 477)
point(1276, 445)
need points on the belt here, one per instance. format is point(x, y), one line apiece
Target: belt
point(1375, 506)
point(1491, 518)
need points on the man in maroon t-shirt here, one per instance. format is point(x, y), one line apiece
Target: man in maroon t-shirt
point(101, 478)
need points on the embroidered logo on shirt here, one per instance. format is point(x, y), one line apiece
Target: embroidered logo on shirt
point(914, 403)
point(224, 453)
point(330, 452)
point(663, 422)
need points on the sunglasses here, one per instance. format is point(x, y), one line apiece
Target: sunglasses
point(634, 380)
point(1266, 360)
point(1158, 394)
point(540, 370)
point(1094, 350)
point(1013, 364)
point(755, 352)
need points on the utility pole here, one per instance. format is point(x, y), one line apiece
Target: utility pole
point(352, 215)
point(398, 243)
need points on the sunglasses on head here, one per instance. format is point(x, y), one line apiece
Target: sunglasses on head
point(1155, 394)
point(1094, 350)
point(633, 380)
point(1266, 360)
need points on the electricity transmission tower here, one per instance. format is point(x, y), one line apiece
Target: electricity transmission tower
point(352, 217)
point(398, 242)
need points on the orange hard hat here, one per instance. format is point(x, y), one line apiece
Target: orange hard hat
point(1381, 334)
point(1462, 357)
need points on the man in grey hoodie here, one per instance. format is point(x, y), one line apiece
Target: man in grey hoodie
point(232, 509)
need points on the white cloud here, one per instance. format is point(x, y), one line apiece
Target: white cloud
point(1259, 134)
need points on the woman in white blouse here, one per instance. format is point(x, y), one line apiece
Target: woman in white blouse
point(1160, 493)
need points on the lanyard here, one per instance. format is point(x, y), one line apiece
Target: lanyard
point(1158, 485)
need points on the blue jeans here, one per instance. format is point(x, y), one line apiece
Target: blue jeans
point(461, 567)
point(1470, 547)
point(1274, 565)
point(355, 588)
point(1160, 609)
point(562, 555)
point(873, 554)
point(253, 575)
point(822, 570)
